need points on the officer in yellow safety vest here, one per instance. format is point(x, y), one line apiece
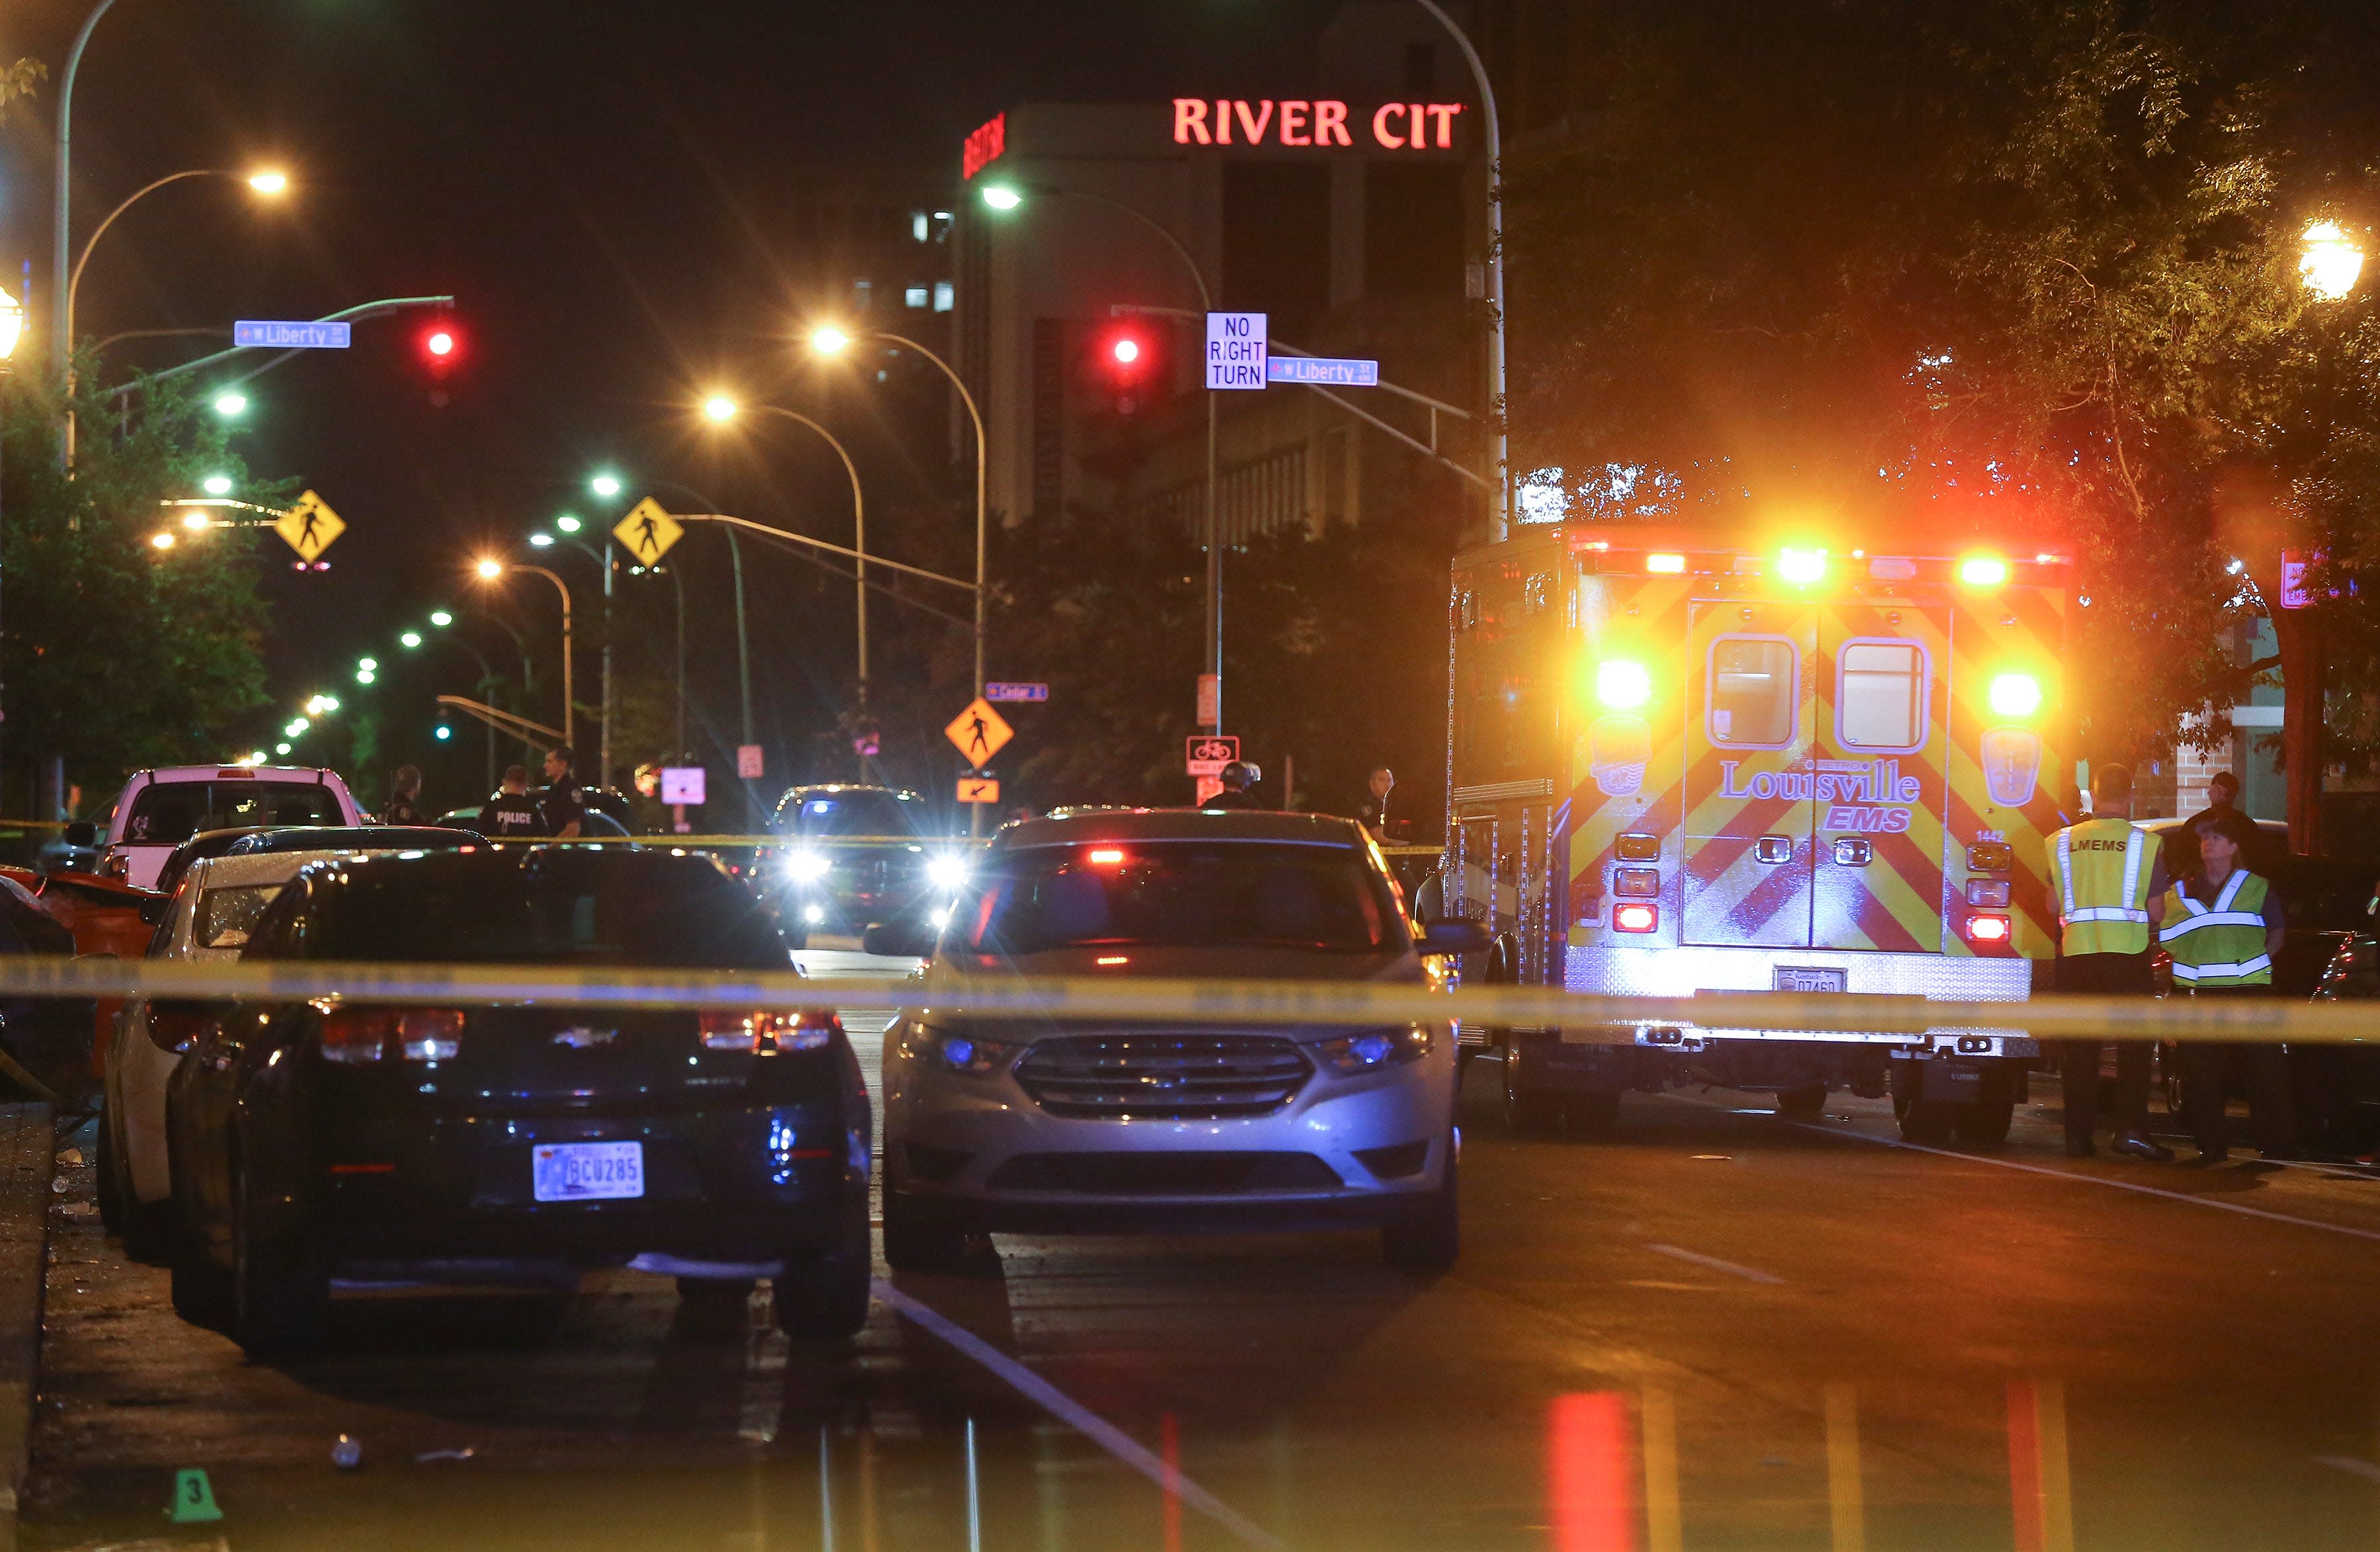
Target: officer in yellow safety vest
point(2107, 877)
point(2222, 928)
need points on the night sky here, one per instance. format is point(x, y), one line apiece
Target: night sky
point(603, 185)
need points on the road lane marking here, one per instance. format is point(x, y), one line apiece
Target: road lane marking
point(2069, 1175)
point(1716, 1264)
point(1080, 1418)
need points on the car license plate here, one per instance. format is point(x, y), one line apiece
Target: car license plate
point(1806, 978)
point(587, 1171)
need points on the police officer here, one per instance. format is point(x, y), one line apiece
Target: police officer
point(1238, 778)
point(561, 808)
point(2107, 877)
point(512, 813)
point(2222, 928)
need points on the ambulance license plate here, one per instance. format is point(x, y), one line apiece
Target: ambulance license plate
point(587, 1171)
point(1807, 978)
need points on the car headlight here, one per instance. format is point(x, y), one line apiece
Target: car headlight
point(954, 1052)
point(808, 864)
point(948, 871)
point(1368, 1050)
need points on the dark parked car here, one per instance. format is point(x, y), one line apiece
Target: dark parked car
point(718, 1147)
point(876, 855)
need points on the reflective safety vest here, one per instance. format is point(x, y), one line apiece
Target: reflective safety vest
point(2101, 869)
point(2218, 944)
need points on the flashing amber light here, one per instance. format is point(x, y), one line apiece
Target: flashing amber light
point(2015, 695)
point(1621, 684)
point(1987, 929)
point(1801, 566)
point(1665, 564)
point(1983, 570)
point(1635, 918)
point(1106, 856)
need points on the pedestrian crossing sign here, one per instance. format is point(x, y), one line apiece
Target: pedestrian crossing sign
point(978, 732)
point(309, 526)
point(647, 532)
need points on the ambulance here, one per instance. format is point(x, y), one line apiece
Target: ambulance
point(1684, 767)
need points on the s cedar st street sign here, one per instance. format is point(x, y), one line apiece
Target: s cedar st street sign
point(1014, 689)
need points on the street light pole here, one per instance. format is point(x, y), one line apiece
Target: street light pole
point(1212, 656)
point(62, 218)
point(1500, 524)
point(490, 570)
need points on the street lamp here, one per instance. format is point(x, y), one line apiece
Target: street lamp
point(720, 409)
point(604, 484)
point(1004, 198)
point(231, 405)
point(2330, 261)
point(489, 569)
point(829, 340)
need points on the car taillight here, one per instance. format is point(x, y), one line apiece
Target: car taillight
point(760, 1030)
point(1635, 918)
point(359, 1035)
point(1987, 929)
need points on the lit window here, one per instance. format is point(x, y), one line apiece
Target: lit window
point(1753, 692)
point(914, 296)
point(918, 226)
point(946, 295)
point(1880, 697)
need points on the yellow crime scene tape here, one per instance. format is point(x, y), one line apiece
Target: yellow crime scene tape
point(1596, 1019)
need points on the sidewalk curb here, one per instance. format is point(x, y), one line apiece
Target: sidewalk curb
point(26, 1150)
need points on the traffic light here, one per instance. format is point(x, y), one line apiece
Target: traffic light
point(440, 345)
point(1127, 364)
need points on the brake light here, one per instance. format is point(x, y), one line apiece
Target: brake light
point(1636, 918)
point(1987, 929)
point(765, 1029)
point(1106, 856)
point(359, 1035)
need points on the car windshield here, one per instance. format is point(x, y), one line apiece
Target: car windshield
point(1186, 894)
point(171, 813)
point(227, 915)
point(854, 814)
point(586, 908)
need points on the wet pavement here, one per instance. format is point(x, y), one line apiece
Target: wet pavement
point(1710, 1328)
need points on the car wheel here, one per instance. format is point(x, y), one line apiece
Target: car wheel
point(1926, 1122)
point(281, 1290)
point(922, 1236)
point(1525, 1109)
point(1804, 1104)
point(202, 1291)
point(1984, 1120)
point(1426, 1236)
point(115, 1188)
point(823, 1295)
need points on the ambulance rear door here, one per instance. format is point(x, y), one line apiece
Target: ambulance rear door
point(1881, 782)
point(1749, 819)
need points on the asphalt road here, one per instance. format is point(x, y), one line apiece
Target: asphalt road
point(1712, 1328)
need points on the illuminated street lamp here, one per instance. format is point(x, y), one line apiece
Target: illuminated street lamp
point(568, 522)
point(231, 404)
point(441, 618)
point(217, 484)
point(490, 570)
point(604, 484)
point(2330, 261)
point(999, 196)
point(161, 541)
point(829, 340)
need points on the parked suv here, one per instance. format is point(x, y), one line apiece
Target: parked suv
point(870, 854)
point(1094, 1125)
point(159, 809)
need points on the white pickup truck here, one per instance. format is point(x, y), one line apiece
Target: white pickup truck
point(159, 809)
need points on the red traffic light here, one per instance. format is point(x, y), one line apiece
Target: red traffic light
point(441, 343)
point(1127, 349)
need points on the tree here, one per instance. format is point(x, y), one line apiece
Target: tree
point(2019, 265)
point(116, 654)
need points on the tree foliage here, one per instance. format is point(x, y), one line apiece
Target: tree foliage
point(116, 654)
point(2023, 266)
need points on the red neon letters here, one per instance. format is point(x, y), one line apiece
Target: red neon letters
point(1229, 121)
point(985, 146)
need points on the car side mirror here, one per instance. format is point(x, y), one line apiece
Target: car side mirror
point(1456, 935)
point(82, 832)
point(177, 1024)
point(899, 940)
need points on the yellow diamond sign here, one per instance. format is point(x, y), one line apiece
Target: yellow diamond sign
point(647, 532)
point(309, 526)
point(978, 732)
